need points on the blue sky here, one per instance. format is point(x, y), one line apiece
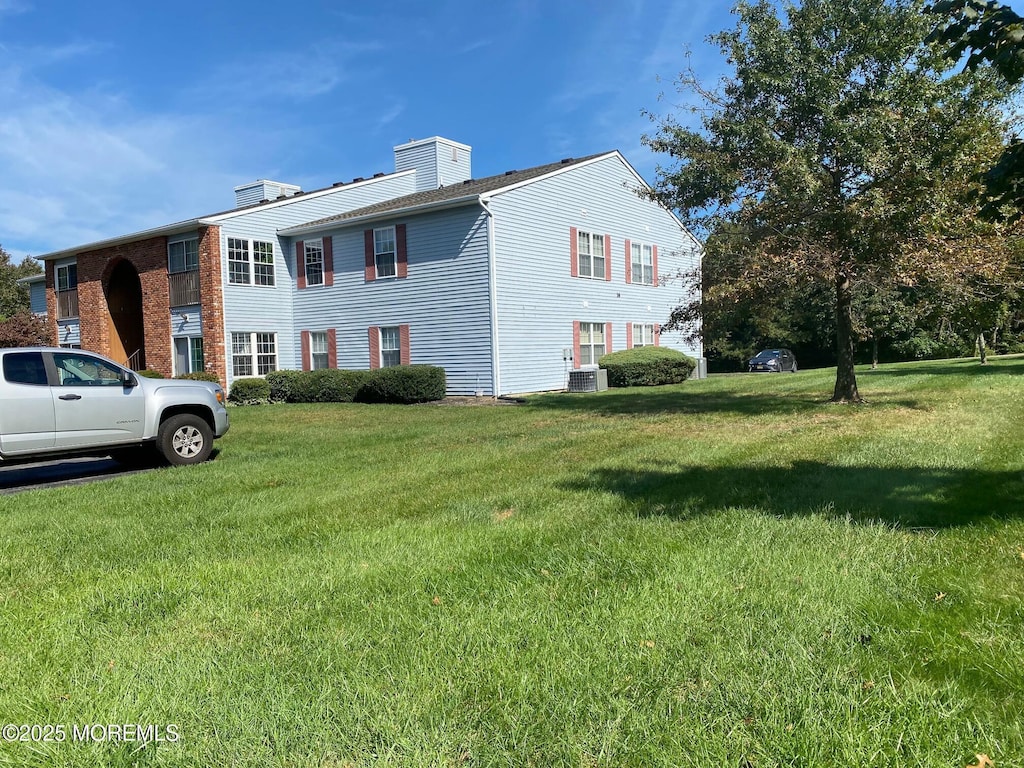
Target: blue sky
point(119, 116)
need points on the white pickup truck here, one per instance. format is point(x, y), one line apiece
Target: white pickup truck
point(58, 402)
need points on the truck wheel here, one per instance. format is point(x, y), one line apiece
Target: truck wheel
point(185, 439)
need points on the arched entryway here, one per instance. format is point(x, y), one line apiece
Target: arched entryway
point(124, 303)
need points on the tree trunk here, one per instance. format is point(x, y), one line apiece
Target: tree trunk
point(874, 352)
point(846, 376)
point(982, 352)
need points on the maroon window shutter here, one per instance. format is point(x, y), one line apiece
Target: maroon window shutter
point(608, 258)
point(402, 254)
point(654, 262)
point(403, 341)
point(574, 256)
point(629, 334)
point(607, 338)
point(328, 261)
point(370, 269)
point(300, 263)
point(576, 343)
point(332, 348)
point(629, 271)
point(657, 335)
point(307, 357)
point(374, 343)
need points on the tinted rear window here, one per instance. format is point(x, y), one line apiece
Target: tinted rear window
point(25, 368)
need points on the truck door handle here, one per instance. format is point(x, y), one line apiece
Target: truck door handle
point(70, 397)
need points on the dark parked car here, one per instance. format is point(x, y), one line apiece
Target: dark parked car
point(772, 361)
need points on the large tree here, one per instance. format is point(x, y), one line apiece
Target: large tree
point(829, 147)
point(994, 34)
point(13, 296)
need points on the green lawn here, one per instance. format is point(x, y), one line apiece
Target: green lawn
point(728, 572)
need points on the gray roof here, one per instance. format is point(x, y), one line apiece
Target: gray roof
point(467, 190)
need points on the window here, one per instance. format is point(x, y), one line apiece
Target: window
point(318, 350)
point(67, 291)
point(183, 256)
point(642, 264)
point(85, 371)
point(253, 354)
point(188, 355)
point(314, 262)
point(592, 345)
point(385, 252)
point(25, 368)
point(590, 255)
point(390, 347)
point(643, 335)
point(250, 262)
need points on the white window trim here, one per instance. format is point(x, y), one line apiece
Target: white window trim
point(396, 350)
point(174, 353)
point(636, 260)
point(590, 238)
point(317, 244)
point(377, 254)
point(254, 354)
point(643, 335)
point(592, 345)
point(314, 338)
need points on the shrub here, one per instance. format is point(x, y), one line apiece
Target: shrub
point(251, 391)
point(149, 373)
point(332, 385)
point(199, 376)
point(282, 385)
point(403, 384)
point(646, 366)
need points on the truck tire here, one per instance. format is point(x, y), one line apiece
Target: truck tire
point(185, 439)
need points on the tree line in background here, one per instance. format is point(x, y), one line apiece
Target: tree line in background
point(854, 182)
point(18, 326)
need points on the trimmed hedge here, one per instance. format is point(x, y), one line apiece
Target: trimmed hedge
point(399, 384)
point(328, 385)
point(646, 367)
point(403, 384)
point(249, 391)
point(199, 376)
point(149, 373)
point(282, 384)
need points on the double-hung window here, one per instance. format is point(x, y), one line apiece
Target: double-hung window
point(390, 346)
point(250, 262)
point(314, 262)
point(253, 354)
point(183, 256)
point(385, 252)
point(590, 255)
point(642, 264)
point(67, 291)
point(643, 335)
point(592, 344)
point(318, 350)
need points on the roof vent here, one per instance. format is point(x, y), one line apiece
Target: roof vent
point(509, 173)
point(468, 181)
point(566, 160)
point(358, 178)
point(338, 184)
point(378, 174)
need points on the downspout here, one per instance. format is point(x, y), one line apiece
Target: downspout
point(492, 276)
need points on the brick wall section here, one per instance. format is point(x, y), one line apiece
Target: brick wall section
point(149, 257)
point(211, 291)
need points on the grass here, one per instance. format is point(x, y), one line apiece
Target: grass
point(725, 572)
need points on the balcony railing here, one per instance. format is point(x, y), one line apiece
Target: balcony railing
point(184, 288)
point(67, 304)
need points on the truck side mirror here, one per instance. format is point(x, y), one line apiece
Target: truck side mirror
point(128, 379)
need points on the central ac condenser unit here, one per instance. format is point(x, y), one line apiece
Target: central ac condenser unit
point(588, 380)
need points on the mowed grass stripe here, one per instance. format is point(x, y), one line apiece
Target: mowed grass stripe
point(729, 570)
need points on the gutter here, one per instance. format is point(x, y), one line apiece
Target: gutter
point(492, 269)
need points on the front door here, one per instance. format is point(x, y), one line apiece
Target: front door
point(91, 404)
